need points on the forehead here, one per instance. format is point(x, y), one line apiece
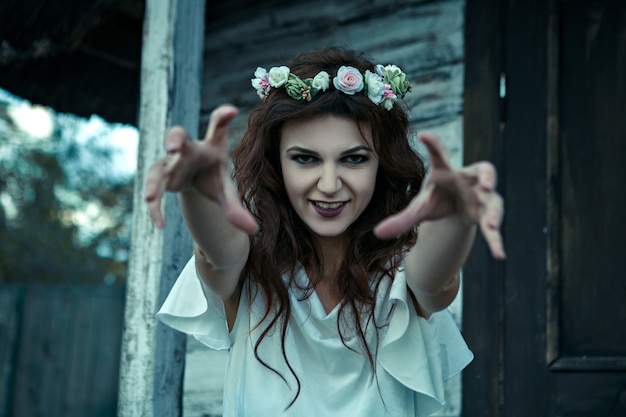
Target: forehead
point(328, 131)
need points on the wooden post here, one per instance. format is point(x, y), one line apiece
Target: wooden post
point(152, 360)
point(484, 127)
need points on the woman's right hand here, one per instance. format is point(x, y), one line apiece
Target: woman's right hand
point(198, 166)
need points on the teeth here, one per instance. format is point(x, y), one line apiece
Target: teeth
point(328, 206)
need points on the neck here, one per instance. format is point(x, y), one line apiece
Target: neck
point(332, 251)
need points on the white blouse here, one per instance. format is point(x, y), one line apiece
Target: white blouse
point(414, 357)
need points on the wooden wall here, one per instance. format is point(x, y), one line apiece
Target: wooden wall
point(424, 38)
point(60, 350)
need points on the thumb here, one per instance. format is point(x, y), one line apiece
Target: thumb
point(241, 218)
point(403, 221)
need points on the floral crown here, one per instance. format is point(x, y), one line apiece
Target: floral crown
point(383, 87)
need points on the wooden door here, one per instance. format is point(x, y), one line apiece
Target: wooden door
point(546, 101)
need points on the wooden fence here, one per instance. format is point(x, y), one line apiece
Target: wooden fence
point(60, 350)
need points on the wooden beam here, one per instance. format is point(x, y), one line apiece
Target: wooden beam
point(484, 128)
point(152, 361)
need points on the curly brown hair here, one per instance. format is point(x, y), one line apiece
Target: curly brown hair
point(284, 244)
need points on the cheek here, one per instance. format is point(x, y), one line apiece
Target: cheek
point(371, 186)
point(365, 184)
point(293, 183)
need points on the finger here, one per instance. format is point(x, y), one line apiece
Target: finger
point(156, 215)
point(494, 212)
point(436, 150)
point(485, 173)
point(490, 226)
point(233, 208)
point(392, 226)
point(239, 216)
point(154, 189)
point(219, 123)
point(175, 139)
point(494, 241)
point(175, 180)
point(403, 221)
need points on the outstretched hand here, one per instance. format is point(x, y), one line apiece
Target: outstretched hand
point(469, 193)
point(200, 165)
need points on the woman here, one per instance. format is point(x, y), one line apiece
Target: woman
point(312, 270)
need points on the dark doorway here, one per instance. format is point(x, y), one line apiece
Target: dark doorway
point(546, 101)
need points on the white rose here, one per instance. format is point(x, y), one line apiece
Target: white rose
point(321, 81)
point(260, 76)
point(260, 72)
point(278, 76)
point(375, 87)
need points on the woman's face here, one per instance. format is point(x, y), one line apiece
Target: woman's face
point(329, 170)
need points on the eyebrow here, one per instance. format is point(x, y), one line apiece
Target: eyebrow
point(310, 152)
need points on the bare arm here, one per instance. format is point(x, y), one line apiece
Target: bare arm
point(433, 264)
point(448, 207)
point(219, 224)
point(221, 249)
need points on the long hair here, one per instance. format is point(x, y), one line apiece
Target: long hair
point(283, 243)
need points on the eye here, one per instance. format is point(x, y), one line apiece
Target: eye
point(303, 159)
point(356, 159)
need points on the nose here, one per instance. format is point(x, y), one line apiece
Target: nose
point(329, 181)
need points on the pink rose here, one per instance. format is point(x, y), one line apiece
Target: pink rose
point(348, 80)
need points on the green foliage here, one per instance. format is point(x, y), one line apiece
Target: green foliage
point(60, 221)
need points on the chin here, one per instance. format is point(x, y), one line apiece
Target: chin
point(328, 232)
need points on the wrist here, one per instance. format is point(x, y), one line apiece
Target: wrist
point(453, 224)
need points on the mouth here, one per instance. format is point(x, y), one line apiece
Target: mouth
point(329, 209)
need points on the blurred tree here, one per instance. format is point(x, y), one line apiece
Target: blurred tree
point(61, 219)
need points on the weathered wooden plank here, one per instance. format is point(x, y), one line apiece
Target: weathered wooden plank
point(109, 353)
point(525, 185)
point(43, 353)
point(424, 38)
point(11, 298)
point(95, 340)
point(137, 367)
point(274, 23)
point(65, 348)
point(185, 111)
point(592, 131)
point(483, 292)
point(136, 372)
point(81, 376)
point(153, 355)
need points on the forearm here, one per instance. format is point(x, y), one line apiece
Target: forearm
point(221, 244)
point(442, 247)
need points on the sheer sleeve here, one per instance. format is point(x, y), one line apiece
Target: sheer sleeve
point(421, 354)
point(192, 308)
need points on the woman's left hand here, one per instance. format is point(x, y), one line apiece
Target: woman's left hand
point(469, 193)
